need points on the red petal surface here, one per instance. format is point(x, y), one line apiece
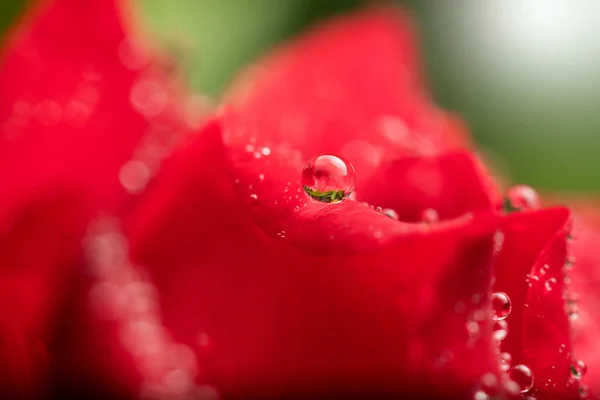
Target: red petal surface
point(70, 116)
point(584, 292)
point(283, 320)
point(350, 87)
point(534, 251)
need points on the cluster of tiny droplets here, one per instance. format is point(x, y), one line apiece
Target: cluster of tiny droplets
point(520, 377)
point(170, 119)
point(578, 367)
point(121, 292)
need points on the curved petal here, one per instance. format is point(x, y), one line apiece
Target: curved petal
point(350, 87)
point(73, 107)
point(583, 301)
point(284, 320)
point(529, 268)
point(452, 184)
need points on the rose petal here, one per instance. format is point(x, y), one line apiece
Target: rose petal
point(452, 184)
point(285, 320)
point(350, 87)
point(529, 263)
point(583, 292)
point(68, 122)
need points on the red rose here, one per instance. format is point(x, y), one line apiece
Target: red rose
point(225, 277)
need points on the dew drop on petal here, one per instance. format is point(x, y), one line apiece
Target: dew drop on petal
point(390, 213)
point(480, 395)
point(134, 176)
point(578, 369)
point(500, 329)
point(505, 361)
point(148, 97)
point(254, 198)
point(328, 178)
point(522, 197)
point(550, 284)
point(429, 216)
point(522, 376)
point(501, 305)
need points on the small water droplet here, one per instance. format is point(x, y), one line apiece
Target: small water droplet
point(505, 361)
point(500, 329)
point(48, 112)
point(148, 97)
point(569, 262)
point(531, 279)
point(261, 177)
point(254, 198)
point(480, 395)
point(501, 305)
point(550, 284)
point(134, 176)
point(390, 213)
point(522, 376)
point(133, 54)
point(429, 216)
point(578, 369)
point(328, 178)
point(265, 151)
point(522, 197)
point(583, 391)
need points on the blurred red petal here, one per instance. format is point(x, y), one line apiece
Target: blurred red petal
point(69, 119)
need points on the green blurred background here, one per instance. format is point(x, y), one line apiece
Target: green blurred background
point(525, 75)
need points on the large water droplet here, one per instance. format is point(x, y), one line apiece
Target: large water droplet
point(578, 369)
point(328, 178)
point(522, 376)
point(501, 306)
point(522, 197)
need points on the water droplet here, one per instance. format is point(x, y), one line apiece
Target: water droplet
point(569, 262)
point(48, 112)
point(77, 113)
point(550, 284)
point(429, 216)
point(134, 176)
point(328, 178)
point(254, 198)
point(390, 213)
point(265, 151)
point(522, 376)
point(501, 306)
point(578, 369)
point(480, 395)
point(505, 360)
point(133, 54)
point(531, 279)
point(500, 329)
point(522, 197)
point(261, 177)
point(148, 97)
